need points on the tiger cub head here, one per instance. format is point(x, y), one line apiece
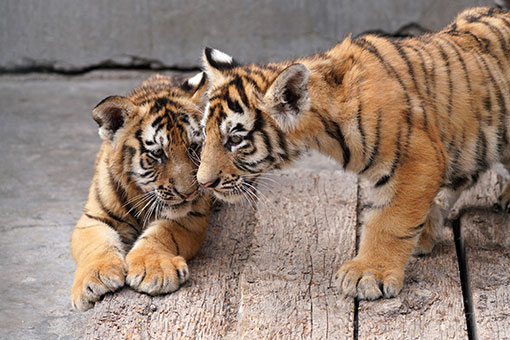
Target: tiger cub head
point(152, 141)
point(248, 116)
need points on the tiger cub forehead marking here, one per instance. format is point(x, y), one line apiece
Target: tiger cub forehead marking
point(174, 122)
point(236, 122)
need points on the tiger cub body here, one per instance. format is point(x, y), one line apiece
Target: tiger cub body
point(143, 200)
point(420, 118)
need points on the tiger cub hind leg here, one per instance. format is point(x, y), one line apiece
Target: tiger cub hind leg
point(432, 228)
point(156, 264)
point(504, 197)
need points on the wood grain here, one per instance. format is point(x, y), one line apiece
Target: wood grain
point(306, 231)
point(487, 241)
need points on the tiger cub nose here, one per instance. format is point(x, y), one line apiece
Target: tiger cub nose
point(211, 184)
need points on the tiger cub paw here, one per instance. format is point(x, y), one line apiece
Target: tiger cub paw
point(363, 281)
point(427, 241)
point(155, 272)
point(97, 278)
point(425, 245)
point(504, 200)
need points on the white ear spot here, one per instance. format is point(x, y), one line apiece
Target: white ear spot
point(196, 79)
point(221, 57)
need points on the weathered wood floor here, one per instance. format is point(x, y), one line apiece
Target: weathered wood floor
point(267, 273)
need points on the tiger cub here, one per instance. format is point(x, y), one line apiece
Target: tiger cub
point(144, 198)
point(420, 118)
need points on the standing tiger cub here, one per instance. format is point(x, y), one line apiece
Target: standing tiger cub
point(144, 199)
point(420, 118)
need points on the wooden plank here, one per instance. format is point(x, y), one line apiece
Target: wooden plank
point(258, 276)
point(205, 308)
point(487, 241)
point(303, 234)
point(430, 305)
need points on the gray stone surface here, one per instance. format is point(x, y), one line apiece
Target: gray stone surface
point(49, 142)
point(76, 34)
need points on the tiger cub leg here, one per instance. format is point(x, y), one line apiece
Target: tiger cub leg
point(157, 261)
point(504, 198)
point(391, 233)
point(439, 210)
point(100, 267)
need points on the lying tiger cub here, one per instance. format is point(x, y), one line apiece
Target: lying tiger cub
point(420, 118)
point(144, 199)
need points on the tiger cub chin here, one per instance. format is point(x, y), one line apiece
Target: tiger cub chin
point(143, 200)
point(420, 118)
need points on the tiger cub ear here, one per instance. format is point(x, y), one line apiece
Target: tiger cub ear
point(111, 114)
point(287, 97)
point(216, 63)
point(196, 88)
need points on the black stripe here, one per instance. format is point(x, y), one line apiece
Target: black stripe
point(196, 214)
point(375, 149)
point(500, 38)
point(282, 143)
point(234, 106)
point(481, 151)
point(488, 107)
point(108, 211)
point(361, 131)
point(410, 67)
point(424, 69)
point(333, 130)
point(457, 153)
point(482, 42)
point(238, 83)
point(396, 161)
point(121, 195)
point(102, 220)
point(247, 165)
point(182, 226)
point(241, 166)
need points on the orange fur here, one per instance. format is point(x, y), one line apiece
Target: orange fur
point(420, 118)
point(143, 200)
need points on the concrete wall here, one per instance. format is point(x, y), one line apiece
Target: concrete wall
point(76, 34)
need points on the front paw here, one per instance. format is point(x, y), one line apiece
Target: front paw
point(155, 272)
point(97, 278)
point(364, 281)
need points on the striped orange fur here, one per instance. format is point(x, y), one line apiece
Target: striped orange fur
point(420, 118)
point(143, 200)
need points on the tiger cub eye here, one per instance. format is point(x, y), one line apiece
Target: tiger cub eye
point(158, 153)
point(234, 140)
